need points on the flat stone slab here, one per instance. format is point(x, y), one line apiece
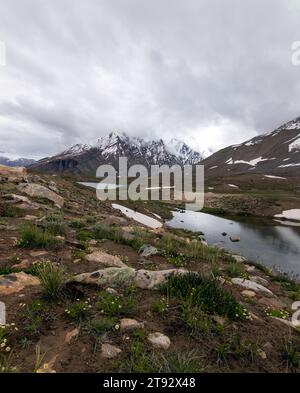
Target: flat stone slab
point(253, 286)
point(124, 277)
point(105, 259)
point(109, 351)
point(159, 340)
point(16, 282)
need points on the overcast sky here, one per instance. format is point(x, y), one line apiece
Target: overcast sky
point(210, 72)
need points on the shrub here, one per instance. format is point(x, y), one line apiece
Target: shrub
point(10, 211)
point(206, 293)
point(34, 237)
point(52, 279)
point(115, 305)
point(79, 311)
point(54, 224)
point(235, 270)
point(203, 253)
point(291, 355)
point(34, 317)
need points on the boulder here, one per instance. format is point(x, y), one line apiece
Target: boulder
point(16, 282)
point(13, 174)
point(148, 279)
point(248, 293)
point(105, 259)
point(235, 239)
point(238, 258)
point(112, 277)
point(114, 220)
point(128, 324)
point(148, 250)
point(124, 277)
point(71, 335)
point(252, 285)
point(109, 351)
point(259, 280)
point(159, 340)
point(38, 191)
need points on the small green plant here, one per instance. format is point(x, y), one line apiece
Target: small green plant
point(10, 211)
point(54, 224)
point(161, 306)
point(76, 224)
point(291, 355)
point(235, 270)
point(85, 236)
point(272, 312)
point(222, 351)
point(206, 293)
point(14, 258)
point(34, 316)
point(79, 311)
point(178, 260)
point(34, 237)
point(179, 362)
point(98, 326)
point(195, 319)
point(203, 253)
point(115, 305)
point(52, 279)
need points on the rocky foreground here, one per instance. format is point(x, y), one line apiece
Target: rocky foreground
point(88, 290)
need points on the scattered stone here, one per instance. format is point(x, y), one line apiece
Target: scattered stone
point(248, 284)
point(235, 239)
point(148, 250)
point(219, 320)
point(17, 198)
point(111, 291)
point(93, 242)
point(248, 293)
point(249, 269)
point(109, 351)
point(36, 254)
point(286, 322)
point(112, 277)
point(159, 340)
point(259, 280)
point(271, 302)
point(128, 324)
point(262, 354)
point(147, 279)
point(268, 347)
point(52, 186)
point(25, 264)
point(36, 190)
point(28, 217)
point(12, 174)
point(238, 258)
point(114, 220)
point(105, 259)
point(224, 234)
point(16, 282)
point(71, 335)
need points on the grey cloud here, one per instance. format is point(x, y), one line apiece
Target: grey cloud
point(211, 72)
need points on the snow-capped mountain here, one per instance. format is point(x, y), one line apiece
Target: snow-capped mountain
point(85, 158)
point(274, 153)
point(12, 160)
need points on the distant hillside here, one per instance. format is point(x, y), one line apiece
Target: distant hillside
point(85, 158)
point(275, 153)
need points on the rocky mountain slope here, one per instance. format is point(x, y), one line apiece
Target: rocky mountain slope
point(85, 158)
point(9, 160)
point(88, 289)
point(276, 153)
